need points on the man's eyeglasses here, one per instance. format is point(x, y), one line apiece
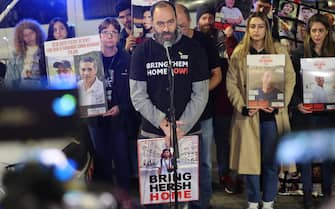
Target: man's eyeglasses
point(162, 24)
point(110, 33)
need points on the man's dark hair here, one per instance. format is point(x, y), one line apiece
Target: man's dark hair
point(91, 60)
point(306, 8)
point(163, 4)
point(122, 5)
point(107, 22)
point(283, 4)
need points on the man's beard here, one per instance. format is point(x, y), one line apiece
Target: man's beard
point(206, 29)
point(160, 37)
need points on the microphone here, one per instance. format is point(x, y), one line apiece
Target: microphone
point(166, 45)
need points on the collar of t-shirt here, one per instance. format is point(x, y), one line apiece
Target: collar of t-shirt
point(254, 51)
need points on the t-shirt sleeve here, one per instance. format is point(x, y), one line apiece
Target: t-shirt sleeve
point(199, 63)
point(212, 55)
point(137, 66)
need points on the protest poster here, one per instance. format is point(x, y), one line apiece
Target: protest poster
point(156, 171)
point(141, 19)
point(77, 62)
point(265, 80)
point(318, 78)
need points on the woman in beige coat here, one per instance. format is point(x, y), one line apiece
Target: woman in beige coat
point(255, 131)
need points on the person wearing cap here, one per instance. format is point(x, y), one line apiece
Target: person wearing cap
point(127, 40)
point(64, 77)
point(91, 89)
point(149, 85)
point(206, 121)
point(221, 115)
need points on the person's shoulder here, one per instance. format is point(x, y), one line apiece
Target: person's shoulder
point(279, 47)
point(191, 43)
point(237, 51)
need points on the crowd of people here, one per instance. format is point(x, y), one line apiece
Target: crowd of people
point(210, 94)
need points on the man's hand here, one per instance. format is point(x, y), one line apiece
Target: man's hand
point(303, 109)
point(166, 128)
point(130, 42)
point(115, 110)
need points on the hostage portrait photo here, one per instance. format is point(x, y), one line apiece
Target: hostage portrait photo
point(265, 87)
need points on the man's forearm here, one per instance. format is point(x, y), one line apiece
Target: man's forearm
point(195, 106)
point(216, 77)
point(142, 103)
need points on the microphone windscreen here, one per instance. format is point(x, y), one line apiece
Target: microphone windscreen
point(167, 44)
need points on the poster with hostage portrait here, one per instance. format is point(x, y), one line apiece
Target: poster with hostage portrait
point(265, 80)
point(232, 12)
point(141, 18)
point(156, 169)
point(318, 78)
point(76, 63)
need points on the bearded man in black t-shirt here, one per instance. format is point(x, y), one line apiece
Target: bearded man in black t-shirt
point(149, 85)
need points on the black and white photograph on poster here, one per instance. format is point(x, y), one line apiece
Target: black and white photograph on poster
point(265, 80)
point(232, 12)
point(318, 77)
point(141, 18)
point(77, 62)
point(156, 170)
point(287, 9)
point(305, 12)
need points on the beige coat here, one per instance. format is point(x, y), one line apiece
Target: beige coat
point(245, 155)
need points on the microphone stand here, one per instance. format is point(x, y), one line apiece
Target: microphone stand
point(172, 119)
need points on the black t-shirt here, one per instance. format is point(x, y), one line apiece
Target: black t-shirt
point(149, 63)
point(213, 61)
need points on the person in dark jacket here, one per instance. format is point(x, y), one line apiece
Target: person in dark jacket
point(108, 132)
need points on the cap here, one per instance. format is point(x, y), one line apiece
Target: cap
point(63, 63)
point(204, 9)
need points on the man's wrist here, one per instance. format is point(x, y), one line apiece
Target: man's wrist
point(164, 123)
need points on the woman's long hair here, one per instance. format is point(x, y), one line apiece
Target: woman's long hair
point(20, 45)
point(70, 33)
point(245, 44)
point(327, 48)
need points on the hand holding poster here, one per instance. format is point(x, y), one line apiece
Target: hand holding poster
point(265, 80)
point(156, 171)
point(141, 18)
point(318, 78)
point(77, 62)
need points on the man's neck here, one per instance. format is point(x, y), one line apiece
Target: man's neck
point(109, 51)
point(88, 85)
point(189, 33)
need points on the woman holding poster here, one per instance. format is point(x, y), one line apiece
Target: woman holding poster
point(317, 43)
point(255, 131)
